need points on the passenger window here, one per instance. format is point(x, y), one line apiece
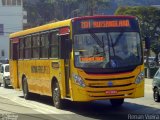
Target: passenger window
point(54, 45)
point(27, 47)
point(36, 46)
point(44, 46)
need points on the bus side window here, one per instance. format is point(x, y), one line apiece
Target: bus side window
point(14, 52)
point(44, 45)
point(54, 45)
point(27, 50)
point(21, 48)
point(35, 46)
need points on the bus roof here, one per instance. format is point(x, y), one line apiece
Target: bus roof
point(42, 28)
point(60, 24)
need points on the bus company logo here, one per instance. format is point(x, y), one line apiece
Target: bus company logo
point(110, 83)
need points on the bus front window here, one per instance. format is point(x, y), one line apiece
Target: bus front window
point(107, 50)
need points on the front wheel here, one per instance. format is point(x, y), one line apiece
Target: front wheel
point(156, 95)
point(56, 96)
point(25, 89)
point(117, 102)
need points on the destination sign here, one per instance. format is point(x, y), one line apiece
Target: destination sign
point(104, 24)
point(92, 59)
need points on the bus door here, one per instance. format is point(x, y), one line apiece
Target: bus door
point(14, 62)
point(65, 54)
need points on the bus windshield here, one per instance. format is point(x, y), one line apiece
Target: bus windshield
point(107, 49)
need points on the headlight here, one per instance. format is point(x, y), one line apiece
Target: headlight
point(139, 78)
point(78, 80)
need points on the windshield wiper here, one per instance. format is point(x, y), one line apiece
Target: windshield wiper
point(110, 40)
point(98, 41)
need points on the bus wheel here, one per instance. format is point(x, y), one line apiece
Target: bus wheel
point(56, 96)
point(156, 95)
point(117, 102)
point(26, 93)
point(0, 84)
point(4, 84)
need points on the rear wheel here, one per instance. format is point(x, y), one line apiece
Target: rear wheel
point(4, 84)
point(0, 84)
point(56, 96)
point(117, 102)
point(156, 95)
point(25, 89)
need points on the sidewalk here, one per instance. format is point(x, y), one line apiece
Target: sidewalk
point(148, 81)
point(148, 85)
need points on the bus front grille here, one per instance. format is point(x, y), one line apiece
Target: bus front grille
point(98, 87)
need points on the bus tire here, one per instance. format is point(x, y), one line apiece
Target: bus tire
point(56, 96)
point(5, 84)
point(0, 84)
point(156, 95)
point(117, 102)
point(26, 93)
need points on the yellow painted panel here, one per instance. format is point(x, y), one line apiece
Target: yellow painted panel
point(14, 74)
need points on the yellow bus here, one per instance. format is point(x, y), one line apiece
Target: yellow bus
point(80, 59)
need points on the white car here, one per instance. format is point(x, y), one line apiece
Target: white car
point(4, 75)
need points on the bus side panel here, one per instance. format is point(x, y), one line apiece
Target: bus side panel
point(42, 77)
point(14, 74)
point(20, 72)
point(31, 73)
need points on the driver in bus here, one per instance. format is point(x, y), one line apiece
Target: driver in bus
point(124, 53)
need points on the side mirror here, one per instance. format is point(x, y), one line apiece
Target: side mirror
point(147, 43)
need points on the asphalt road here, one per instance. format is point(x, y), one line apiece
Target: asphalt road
point(40, 108)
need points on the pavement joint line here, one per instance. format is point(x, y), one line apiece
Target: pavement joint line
point(38, 108)
point(35, 107)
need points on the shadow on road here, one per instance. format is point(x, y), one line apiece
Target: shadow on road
point(101, 109)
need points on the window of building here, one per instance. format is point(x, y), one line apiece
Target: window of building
point(2, 53)
point(4, 2)
point(19, 2)
point(11, 2)
point(1, 29)
point(54, 45)
point(44, 46)
point(14, 2)
point(35, 46)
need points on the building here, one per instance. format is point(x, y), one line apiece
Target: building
point(11, 20)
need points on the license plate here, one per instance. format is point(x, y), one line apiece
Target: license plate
point(110, 92)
